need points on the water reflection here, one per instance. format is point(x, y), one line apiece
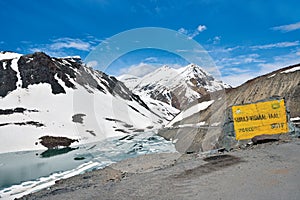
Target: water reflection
point(19, 167)
point(55, 152)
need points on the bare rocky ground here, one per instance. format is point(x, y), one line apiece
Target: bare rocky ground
point(264, 171)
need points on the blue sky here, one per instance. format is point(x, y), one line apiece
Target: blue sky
point(244, 38)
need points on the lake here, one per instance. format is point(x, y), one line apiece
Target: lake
point(29, 171)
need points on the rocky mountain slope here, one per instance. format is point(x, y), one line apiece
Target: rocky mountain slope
point(202, 126)
point(41, 95)
point(176, 87)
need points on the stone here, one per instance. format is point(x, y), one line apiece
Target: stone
point(264, 139)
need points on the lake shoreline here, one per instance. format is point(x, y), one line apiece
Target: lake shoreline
point(273, 166)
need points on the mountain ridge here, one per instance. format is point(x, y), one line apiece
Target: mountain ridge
point(42, 95)
point(214, 121)
point(177, 87)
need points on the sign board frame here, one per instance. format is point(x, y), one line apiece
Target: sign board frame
point(262, 118)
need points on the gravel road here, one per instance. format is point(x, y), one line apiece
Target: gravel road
point(265, 171)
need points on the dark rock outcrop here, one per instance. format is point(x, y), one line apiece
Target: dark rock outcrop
point(52, 142)
point(264, 139)
point(8, 78)
point(40, 68)
point(15, 110)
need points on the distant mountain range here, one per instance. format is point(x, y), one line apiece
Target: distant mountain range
point(176, 87)
point(46, 96)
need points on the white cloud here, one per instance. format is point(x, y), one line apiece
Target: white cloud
point(236, 77)
point(280, 62)
point(48, 51)
point(92, 64)
point(192, 33)
point(276, 45)
point(151, 59)
point(216, 39)
point(175, 66)
point(201, 28)
point(181, 50)
point(62, 47)
point(221, 50)
point(233, 48)
point(239, 60)
point(236, 70)
point(143, 69)
point(236, 80)
point(183, 31)
point(70, 43)
point(139, 70)
point(287, 28)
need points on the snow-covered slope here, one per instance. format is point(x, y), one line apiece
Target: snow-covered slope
point(176, 87)
point(191, 111)
point(130, 80)
point(40, 95)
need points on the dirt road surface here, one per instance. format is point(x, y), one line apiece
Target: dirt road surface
point(265, 171)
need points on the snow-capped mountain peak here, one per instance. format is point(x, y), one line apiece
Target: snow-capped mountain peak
point(130, 80)
point(192, 69)
point(6, 55)
point(177, 87)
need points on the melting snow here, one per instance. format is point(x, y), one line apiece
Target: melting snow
point(191, 111)
point(17, 191)
point(191, 125)
point(14, 66)
point(295, 119)
point(101, 154)
point(4, 65)
point(216, 124)
point(56, 111)
point(271, 75)
point(9, 55)
point(291, 70)
point(72, 57)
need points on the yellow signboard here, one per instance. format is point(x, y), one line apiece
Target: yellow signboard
point(259, 118)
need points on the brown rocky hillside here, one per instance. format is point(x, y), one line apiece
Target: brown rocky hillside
point(283, 83)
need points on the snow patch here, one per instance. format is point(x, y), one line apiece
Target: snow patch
point(271, 75)
point(295, 119)
point(166, 111)
point(66, 62)
point(216, 124)
point(191, 111)
point(72, 57)
point(29, 60)
point(291, 70)
point(17, 191)
point(14, 66)
point(9, 55)
point(130, 81)
point(4, 65)
point(191, 125)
